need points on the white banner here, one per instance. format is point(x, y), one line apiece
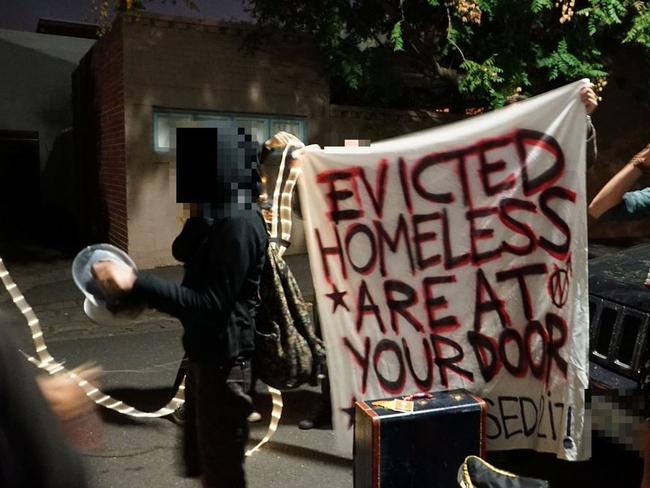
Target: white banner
point(456, 258)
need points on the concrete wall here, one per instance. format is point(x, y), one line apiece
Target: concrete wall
point(176, 63)
point(348, 122)
point(35, 83)
point(35, 95)
point(104, 126)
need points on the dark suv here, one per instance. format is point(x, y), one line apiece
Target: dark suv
point(619, 317)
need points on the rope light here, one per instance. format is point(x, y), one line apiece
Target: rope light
point(47, 363)
point(282, 196)
point(276, 414)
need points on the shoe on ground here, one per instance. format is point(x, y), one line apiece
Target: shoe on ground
point(254, 417)
point(178, 415)
point(306, 424)
point(323, 419)
point(476, 472)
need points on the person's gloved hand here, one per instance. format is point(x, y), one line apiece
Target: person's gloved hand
point(282, 139)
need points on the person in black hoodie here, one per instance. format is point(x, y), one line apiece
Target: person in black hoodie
point(216, 303)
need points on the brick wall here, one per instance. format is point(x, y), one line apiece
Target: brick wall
point(184, 64)
point(110, 145)
point(150, 62)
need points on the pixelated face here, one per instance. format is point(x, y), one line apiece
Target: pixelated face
point(618, 414)
point(217, 167)
point(237, 171)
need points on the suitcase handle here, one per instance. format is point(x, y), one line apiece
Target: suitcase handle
point(417, 396)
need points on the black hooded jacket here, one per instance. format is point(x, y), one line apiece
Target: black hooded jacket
point(219, 297)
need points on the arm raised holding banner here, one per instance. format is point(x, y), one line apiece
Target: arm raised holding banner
point(617, 200)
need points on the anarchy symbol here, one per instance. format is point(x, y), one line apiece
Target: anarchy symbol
point(558, 284)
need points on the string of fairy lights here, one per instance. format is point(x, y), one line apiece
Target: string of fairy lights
point(46, 362)
point(282, 196)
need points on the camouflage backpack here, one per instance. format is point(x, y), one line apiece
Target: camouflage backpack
point(287, 351)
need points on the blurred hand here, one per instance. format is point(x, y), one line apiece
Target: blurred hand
point(282, 139)
point(113, 278)
point(63, 394)
point(642, 158)
point(589, 98)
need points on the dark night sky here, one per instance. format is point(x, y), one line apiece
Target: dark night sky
point(24, 14)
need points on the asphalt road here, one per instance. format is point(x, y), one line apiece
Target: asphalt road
point(140, 453)
point(140, 362)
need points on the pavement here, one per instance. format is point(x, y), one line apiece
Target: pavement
point(44, 276)
point(140, 361)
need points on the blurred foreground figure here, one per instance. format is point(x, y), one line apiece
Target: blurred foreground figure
point(34, 450)
point(222, 247)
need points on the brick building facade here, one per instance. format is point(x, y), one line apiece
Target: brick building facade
point(152, 73)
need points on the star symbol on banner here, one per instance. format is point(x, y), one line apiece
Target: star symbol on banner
point(337, 298)
point(350, 413)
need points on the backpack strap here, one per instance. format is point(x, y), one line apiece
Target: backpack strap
point(280, 235)
point(280, 239)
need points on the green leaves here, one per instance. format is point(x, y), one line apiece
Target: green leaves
point(538, 5)
point(482, 79)
point(352, 72)
point(640, 31)
point(396, 37)
point(443, 53)
point(601, 14)
point(563, 64)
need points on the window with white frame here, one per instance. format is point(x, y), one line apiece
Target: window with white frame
point(261, 127)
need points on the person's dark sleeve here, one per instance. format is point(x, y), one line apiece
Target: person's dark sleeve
point(232, 254)
point(33, 449)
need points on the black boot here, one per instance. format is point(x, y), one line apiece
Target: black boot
point(322, 419)
point(476, 473)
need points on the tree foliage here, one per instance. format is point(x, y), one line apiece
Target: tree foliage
point(458, 53)
point(447, 53)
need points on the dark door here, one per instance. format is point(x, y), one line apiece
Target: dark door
point(19, 185)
